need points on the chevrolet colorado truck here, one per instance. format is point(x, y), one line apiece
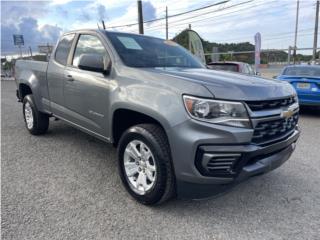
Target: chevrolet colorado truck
point(180, 129)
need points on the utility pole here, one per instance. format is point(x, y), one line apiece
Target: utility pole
point(189, 38)
point(289, 55)
point(30, 51)
point(103, 25)
point(167, 23)
point(140, 17)
point(47, 53)
point(20, 51)
point(295, 36)
point(315, 39)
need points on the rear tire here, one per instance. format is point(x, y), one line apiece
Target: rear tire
point(145, 164)
point(36, 122)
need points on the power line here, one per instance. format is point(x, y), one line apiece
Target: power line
point(203, 19)
point(175, 15)
point(212, 17)
point(250, 7)
point(275, 38)
point(238, 10)
point(201, 15)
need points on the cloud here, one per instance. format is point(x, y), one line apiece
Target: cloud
point(84, 16)
point(59, 2)
point(148, 10)
point(91, 13)
point(130, 15)
point(33, 34)
point(101, 11)
point(50, 33)
point(62, 11)
point(13, 11)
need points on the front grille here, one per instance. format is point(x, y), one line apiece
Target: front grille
point(270, 104)
point(267, 131)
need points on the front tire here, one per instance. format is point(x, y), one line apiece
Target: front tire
point(145, 164)
point(36, 122)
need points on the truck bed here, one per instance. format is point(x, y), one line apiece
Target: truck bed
point(33, 74)
point(24, 68)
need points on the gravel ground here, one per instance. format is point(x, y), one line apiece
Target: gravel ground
point(64, 185)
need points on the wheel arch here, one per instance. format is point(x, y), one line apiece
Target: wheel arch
point(31, 81)
point(123, 118)
point(24, 89)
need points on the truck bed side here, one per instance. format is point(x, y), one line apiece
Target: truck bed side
point(33, 75)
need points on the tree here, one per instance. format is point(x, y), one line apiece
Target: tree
point(266, 57)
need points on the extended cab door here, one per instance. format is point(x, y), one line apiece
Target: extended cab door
point(56, 74)
point(86, 93)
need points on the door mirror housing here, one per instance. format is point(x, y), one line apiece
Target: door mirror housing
point(95, 63)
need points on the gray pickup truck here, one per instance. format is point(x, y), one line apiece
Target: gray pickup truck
point(180, 129)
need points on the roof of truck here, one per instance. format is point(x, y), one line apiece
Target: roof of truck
point(96, 30)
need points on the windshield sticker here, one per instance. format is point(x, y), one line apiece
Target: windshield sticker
point(130, 43)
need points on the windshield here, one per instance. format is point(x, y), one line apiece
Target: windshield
point(142, 51)
point(302, 71)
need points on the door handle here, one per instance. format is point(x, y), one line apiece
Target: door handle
point(70, 78)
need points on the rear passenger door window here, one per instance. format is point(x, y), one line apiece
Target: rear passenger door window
point(63, 49)
point(88, 44)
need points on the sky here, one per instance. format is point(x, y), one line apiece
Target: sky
point(42, 22)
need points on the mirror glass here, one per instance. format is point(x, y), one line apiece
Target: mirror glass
point(91, 62)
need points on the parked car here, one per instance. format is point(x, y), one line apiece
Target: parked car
point(306, 80)
point(180, 128)
point(239, 67)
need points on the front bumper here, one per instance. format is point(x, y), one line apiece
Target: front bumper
point(192, 138)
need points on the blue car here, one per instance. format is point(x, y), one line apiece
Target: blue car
point(306, 80)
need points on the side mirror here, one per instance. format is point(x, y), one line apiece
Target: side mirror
point(95, 63)
point(107, 65)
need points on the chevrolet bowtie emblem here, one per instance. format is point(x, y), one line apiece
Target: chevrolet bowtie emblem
point(287, 113)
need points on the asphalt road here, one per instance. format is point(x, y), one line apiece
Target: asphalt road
point(64, 185)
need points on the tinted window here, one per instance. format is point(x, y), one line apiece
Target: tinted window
point(63, 49)
point(143, 51)
point(88, 44)
point(302, 71)
point(224, 67)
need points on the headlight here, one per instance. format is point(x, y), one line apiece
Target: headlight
point(216, 111)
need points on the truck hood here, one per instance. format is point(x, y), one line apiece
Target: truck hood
point(231, 86)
